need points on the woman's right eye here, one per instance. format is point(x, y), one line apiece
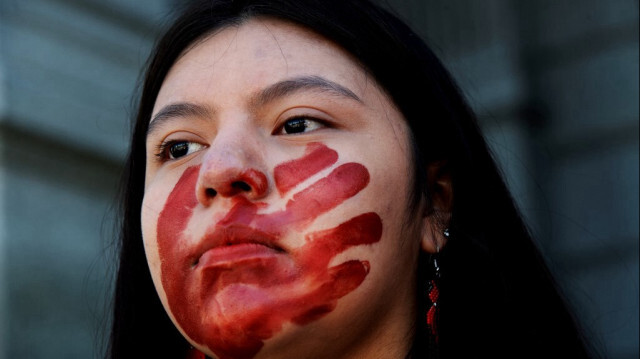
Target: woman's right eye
point(300, 124)
point(176, 149)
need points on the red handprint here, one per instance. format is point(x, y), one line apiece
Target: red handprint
point(232, 306)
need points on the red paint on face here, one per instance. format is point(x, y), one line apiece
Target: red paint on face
point(289, 174)
point(237, 287)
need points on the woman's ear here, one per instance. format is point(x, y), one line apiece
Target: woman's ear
point(437, 213)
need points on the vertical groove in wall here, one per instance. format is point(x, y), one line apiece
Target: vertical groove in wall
point(3, 232)
point(3, 238)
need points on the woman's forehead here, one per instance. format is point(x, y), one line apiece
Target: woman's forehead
point(259, 52)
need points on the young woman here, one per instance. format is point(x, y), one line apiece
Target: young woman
point(306, 181)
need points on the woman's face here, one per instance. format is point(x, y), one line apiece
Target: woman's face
point(277, 184)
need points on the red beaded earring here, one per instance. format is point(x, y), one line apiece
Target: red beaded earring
point(433, 296)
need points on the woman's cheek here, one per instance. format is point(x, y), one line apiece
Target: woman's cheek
point(152, 205)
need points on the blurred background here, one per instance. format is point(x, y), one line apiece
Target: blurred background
point(554, 82)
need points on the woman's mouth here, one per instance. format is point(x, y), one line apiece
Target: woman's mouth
point(234, 254)
point(231, 245)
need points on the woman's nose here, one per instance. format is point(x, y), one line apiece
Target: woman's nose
point(229, 171)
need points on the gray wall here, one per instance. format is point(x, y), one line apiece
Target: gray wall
point(555, 83)
point(68, 70)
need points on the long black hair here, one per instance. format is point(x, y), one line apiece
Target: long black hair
point(497, 296)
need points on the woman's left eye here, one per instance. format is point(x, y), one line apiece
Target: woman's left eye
point(173, 150)
point(299, 125)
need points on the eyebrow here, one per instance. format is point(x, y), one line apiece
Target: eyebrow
point(288, 87)
point(177, 110)
point(269, 94)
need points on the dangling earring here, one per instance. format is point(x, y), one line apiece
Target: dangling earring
point(433, 295)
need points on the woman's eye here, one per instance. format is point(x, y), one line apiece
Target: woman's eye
point(300, 125)
point(179, 149)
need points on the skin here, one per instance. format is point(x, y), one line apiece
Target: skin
point(337, 246)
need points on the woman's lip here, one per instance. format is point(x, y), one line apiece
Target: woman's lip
point(225, 256)
point(233, 243)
